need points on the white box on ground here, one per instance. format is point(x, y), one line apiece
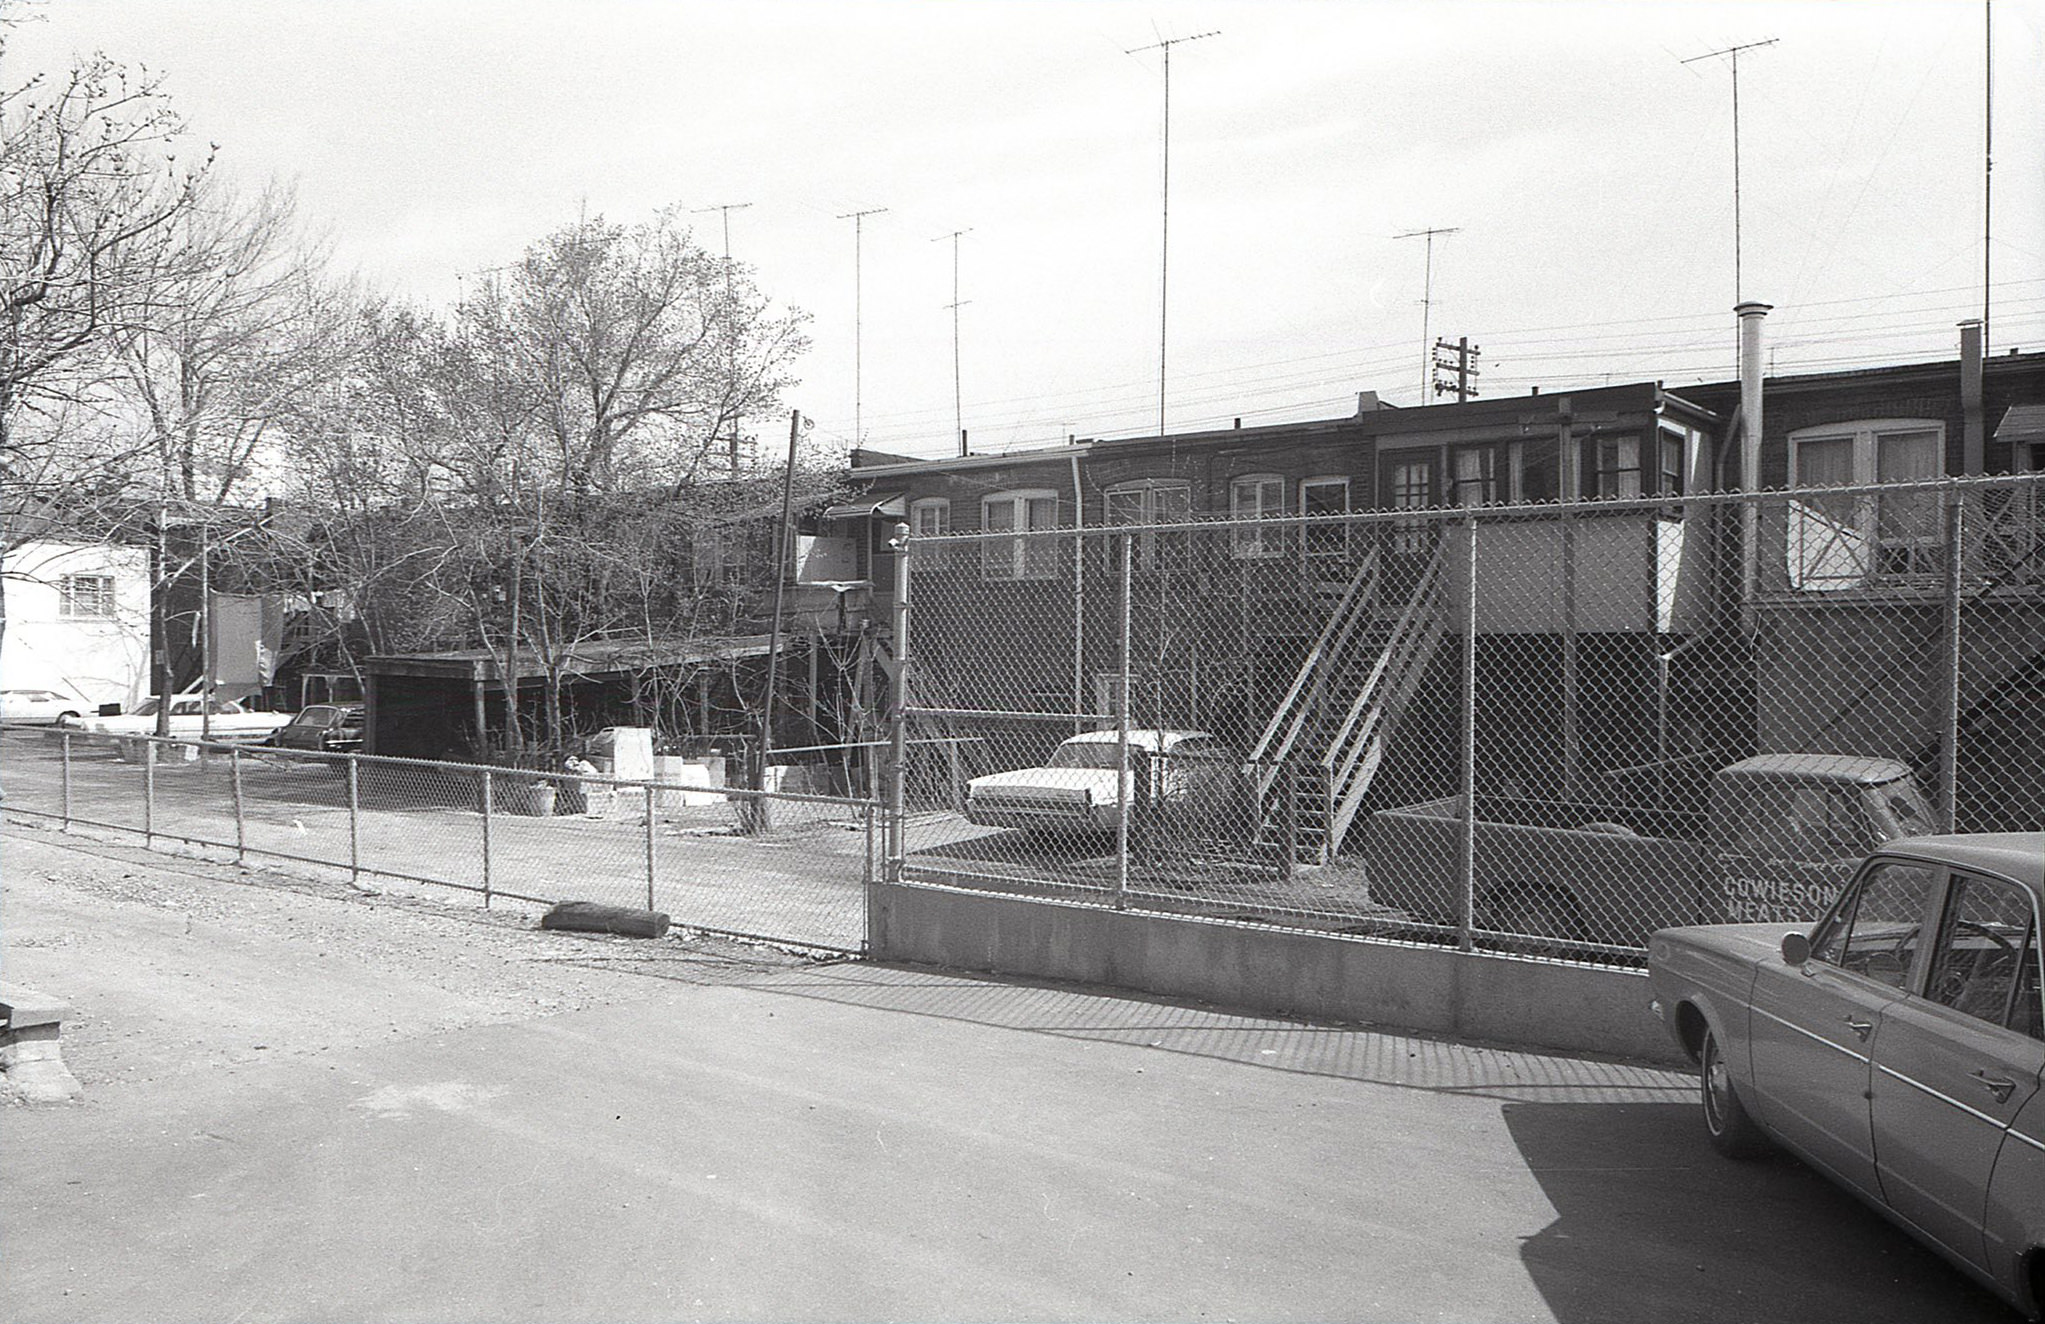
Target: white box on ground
point(702, 777)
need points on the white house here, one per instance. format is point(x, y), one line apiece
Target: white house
point(77, 620)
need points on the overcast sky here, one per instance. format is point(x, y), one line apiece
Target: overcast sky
point(1587, 170)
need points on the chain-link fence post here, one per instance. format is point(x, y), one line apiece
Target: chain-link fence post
point(650, 862)
point(1126, 786)
point(65, 740)
point(1466, 867)
point(241, 829)
point(1949, 732)
point(898, 709)
point(148, 792)
point(354, 821)
point(489, 812)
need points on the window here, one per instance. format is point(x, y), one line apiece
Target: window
point(1153, 501)
point(1615, 467)
point(1326, 496)
point(1014, 557)
point(1472, 480)
point(930, 517)
point(1257, 497)
point(86, 596)
point(1409, 485)
point(1669, 480)
point(1986, 961)
point(1875, 930)
point(1838, 541)
point(1532, 471)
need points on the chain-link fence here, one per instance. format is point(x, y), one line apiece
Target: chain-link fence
point(785, 867)
point(1690, 709)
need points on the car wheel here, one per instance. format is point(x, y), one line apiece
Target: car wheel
point(1733, 1133)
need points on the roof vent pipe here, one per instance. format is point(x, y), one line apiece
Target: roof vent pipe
point(1750, 315)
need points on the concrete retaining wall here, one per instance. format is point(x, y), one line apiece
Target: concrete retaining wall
point(1309, 975)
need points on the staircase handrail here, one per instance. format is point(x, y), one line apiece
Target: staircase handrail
point(1422, 599)
point(1291, 715)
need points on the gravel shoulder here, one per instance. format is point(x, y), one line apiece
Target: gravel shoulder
point(174, 965)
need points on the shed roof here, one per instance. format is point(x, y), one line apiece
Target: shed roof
point(595, 657)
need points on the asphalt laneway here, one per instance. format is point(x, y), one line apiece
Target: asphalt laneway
point(841, 1141)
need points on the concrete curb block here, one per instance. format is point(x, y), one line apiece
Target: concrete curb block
point(31, 1056)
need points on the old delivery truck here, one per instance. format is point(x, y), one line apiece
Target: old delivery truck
point(1779, 835)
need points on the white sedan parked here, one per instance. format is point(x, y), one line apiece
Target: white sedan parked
point(228, 721)
point(41, 707)
point(1193, 778)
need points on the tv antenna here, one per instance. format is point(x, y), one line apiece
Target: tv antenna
point(731, 337)
point(957, 409)
point(858, 219)
point(1733, 52)
point(1427, 300)
point(1165, 225)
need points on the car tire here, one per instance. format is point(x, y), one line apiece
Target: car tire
point(1733, 1133)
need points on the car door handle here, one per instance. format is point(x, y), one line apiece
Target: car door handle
point(2000, 1086)
point(1862, 1028)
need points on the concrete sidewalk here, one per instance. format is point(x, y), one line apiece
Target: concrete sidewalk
point(317, 1105)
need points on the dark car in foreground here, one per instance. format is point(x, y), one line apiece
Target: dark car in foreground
point(1897, 1046)
point(328, 728)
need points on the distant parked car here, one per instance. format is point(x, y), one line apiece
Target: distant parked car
point(1898, 1046)
point(228, 721)
point(41, 707)
point(1193, 778)
point(333, 728)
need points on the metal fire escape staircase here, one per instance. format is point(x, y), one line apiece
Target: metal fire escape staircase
point(1324, 743)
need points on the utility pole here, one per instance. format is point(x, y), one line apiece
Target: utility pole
point(1462, 356)
point(1164, 246)
point(731, 338)
point(858, 219)
point(957, 408)
point(1427, 299)
point(1734, 53)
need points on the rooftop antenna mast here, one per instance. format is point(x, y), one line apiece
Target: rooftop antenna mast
point(1165, 227)
point(731, 346)
point(858, 219)
point(1739, 295)
point(957, 409)
point(1987, 154)
point(1427, 300)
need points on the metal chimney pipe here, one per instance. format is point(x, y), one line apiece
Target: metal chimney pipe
point(1973, 435)
point(1751, 364)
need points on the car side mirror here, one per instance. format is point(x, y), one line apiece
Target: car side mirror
point(1796, 948)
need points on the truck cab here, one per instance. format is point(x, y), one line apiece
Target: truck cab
point(1788, 828)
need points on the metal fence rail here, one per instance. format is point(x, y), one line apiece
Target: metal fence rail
point(699, 855)
point(1543, 730)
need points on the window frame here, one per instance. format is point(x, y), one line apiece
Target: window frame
point(1861, 512)
point(100, 603)
point(1247, 540)
point(1006, 555)
point(1328, 541)
point(1149, 510)
point(1844, 916)
point(939, 557)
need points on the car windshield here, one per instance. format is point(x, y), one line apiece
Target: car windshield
point(1087, 754)
point(317, 715)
